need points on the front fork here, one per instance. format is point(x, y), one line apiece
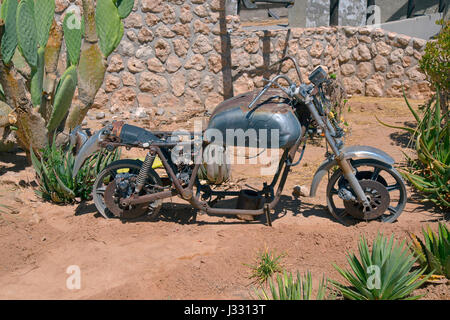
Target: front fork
point(349, 175)
point(345, 166)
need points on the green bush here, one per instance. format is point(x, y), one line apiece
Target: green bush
point(385, 273)
point(54, 174)
point(287, 288)
point(430, 172)
point(433, 253)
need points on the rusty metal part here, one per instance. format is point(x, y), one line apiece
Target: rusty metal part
point(124, 212)
point(378, 197)
point(117, 128)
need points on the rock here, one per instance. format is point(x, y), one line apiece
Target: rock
point(140, 113)
point(153, 64)
point(347, 69)
point(160, 111)
point(375, 86)
point(201, 11)
point(180, 46)
point(403, 40)
point(153, 83)
point(251, 45)
point(215, 63)
point(111, 83)
point(194, 78)
point(415, 74)
point(61, 5)
point(128, 79)
point(316, 49)
point(133, 21)
point(168, 101)
point(168, 14)
point(145, 100)
point(364, 70)
point(353, 85)
point(202, 45)
point(128, 48)
point(115, 63)
point(197, 62)
point(419, 43)
point(361, 53)
point(144, 52)
point(396, 55)
point(344, 56)
point(164, 32)
point(162, 49)
point(380, 63)
point(101, 99)
point(173, 64)
point(151, 19)
point(182, 30)
point(125, 98)
point(200, 27)
point(300, 191)
point(131, 35)
point(383, 48)
point(135, 65)
point(154, 6)
point(396, 71)
point(178, 83)
point(185, 14)
point(99, 115)
point(145, 35)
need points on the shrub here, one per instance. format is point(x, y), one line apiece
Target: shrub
point(287, 288)
point(54, 173)
point(382, 274)
point(433, 253)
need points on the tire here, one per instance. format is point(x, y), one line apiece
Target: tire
point(133, 166)
point(383, 173)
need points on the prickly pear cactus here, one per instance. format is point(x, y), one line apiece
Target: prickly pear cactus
point(30, 48)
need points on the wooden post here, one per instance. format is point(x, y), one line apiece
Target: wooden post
point(334, 12)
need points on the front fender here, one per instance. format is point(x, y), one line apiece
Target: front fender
point(352, 152)
point(88, 148)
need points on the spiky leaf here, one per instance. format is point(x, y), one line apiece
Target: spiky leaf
point(63, 97)
point(9, 39)
point(44, 11)
point(37, 79)
point(108, 25)
point(72, 38)
point(125, 7)
point(26, 31)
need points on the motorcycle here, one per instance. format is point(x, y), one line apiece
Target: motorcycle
point(364, 185)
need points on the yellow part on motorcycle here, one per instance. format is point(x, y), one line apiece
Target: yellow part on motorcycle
point(156, 164)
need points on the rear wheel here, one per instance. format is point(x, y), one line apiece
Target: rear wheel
point(383, 186)
point(116, 182)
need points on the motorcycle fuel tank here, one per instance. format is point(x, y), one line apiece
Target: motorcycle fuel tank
point(271, 123)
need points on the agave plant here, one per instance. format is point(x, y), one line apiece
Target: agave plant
point(54, 173)
point(430, 172)
point(385, 273)
point(433, 253)
point(30, 52)
point(287, 288)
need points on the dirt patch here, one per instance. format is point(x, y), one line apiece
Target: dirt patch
point(177, 258)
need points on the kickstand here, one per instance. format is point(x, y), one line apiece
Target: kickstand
point(267, 212)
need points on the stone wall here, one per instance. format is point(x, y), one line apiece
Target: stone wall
point(172, 54)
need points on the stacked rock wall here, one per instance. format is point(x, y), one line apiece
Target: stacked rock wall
point(172, 54)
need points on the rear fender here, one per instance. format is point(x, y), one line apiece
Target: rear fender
point(353, 152)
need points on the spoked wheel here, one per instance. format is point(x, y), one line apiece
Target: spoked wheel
point(117, 181)
point(383, 186)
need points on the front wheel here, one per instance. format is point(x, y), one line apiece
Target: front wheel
point(381, 183)
point(117, 181)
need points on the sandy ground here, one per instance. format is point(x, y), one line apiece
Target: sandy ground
point(177, 258)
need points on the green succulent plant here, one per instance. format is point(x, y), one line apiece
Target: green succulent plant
point(54, 173)
point(285, 287)
point(383, 273)
point(30, 51)
point(267, 264)
point(433, 252)
point(430, 172)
